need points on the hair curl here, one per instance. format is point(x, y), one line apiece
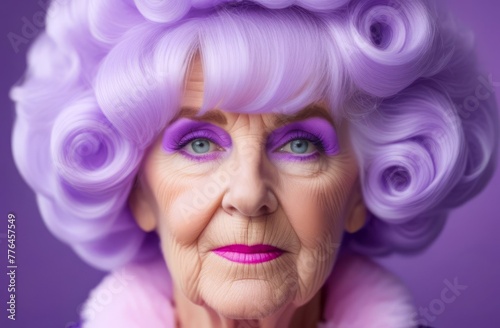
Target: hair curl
point(106, 76)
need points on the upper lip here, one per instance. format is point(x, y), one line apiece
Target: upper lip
point(247, 249)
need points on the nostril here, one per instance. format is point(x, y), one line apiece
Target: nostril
point(262, 212)
point(246, 210)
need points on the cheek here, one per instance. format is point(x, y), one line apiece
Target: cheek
point(314, 207)
point(186, 203)
point(189, 213)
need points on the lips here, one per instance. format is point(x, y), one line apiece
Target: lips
point(249, 254)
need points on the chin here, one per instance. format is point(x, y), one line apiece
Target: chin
point(248, 299)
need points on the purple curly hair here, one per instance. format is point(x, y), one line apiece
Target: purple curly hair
point(107, 76)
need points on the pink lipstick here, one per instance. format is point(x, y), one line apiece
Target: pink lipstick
point(249, 254)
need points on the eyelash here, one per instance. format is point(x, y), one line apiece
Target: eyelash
point(316, 140)
point(192, 136)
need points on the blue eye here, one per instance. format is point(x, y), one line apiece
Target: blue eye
point(299, 146)
point(196, 140)
point(200, 146)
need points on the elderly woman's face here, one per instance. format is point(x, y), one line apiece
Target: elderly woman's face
point(250, 209)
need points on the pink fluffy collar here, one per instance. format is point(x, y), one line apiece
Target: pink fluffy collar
point(360, 294)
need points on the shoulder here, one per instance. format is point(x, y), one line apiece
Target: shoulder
point(360, 293)
point(137, 295)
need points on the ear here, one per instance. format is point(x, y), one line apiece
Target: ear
point(142, 207)
point(356, 215)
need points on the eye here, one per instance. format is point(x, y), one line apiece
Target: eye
point(299, 146)
point(195, 140)
point(201, 146)
point(307, 140)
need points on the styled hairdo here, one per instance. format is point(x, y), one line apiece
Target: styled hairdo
point(107, 76)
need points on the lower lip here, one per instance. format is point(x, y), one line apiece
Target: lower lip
point(249, 258)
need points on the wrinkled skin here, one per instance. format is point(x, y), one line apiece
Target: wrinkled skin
point(246, 197)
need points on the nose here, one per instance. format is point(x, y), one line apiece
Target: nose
point(249, 193)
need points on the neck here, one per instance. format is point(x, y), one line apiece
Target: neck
point(190, 315)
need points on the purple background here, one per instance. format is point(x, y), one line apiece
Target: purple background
point(52, 282)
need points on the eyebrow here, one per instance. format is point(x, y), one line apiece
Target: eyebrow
point(216, 116)
point(313, 110)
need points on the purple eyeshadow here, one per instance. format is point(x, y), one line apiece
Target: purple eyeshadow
point(183, 131)
point(317, 130)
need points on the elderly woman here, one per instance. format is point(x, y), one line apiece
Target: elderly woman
point(234, 163)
